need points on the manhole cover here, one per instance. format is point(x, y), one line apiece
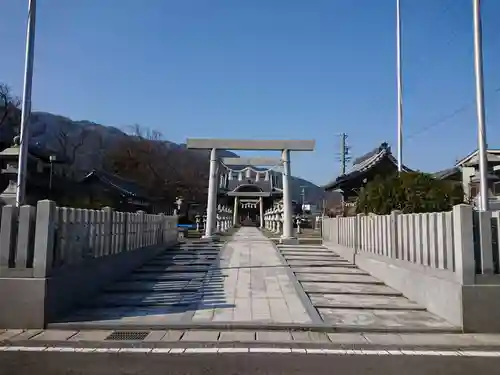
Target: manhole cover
point(127, 335)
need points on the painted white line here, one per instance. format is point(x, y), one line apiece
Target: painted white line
point(135, 350)
point(201, 350)
point(479, 354)
point(176, 351)
point(351, 352)
point(233, 350)
point(160, 350)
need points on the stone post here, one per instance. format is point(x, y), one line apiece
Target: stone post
point(212, 196)
point(394, 234)
point(463, 234)
point(235, 211)
point(45, 229)
point(287, 197)
point(108, 229)
point(261, 212)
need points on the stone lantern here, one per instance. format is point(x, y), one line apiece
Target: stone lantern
point(10, 158)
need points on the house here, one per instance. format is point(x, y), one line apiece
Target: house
point(378, 162)
point(100, 188)
point(466, 172)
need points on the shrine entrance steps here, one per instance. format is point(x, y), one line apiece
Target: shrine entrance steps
point(350, 299)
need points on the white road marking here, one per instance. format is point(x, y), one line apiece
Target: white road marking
point(314, 351)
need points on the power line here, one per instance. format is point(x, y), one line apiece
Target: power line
point(448, 117)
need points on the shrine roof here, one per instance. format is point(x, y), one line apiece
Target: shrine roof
point(364, 163)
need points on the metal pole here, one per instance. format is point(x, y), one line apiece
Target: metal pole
point(481, 131)
point(26, 104)
point(400, 85)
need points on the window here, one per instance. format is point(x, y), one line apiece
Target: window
point(473, 191)
point(496, 188)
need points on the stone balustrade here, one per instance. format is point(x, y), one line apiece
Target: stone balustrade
point(224, 218)
point(273, 219)
point(52, 258)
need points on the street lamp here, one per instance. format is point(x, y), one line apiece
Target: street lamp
point(52, 159)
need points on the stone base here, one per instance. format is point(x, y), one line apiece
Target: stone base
point(289, 241)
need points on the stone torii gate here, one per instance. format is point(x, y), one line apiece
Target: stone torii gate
point(284, 146)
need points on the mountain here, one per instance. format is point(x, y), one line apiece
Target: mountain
point(84, 143)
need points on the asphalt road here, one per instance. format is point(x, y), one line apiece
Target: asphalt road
point(51, 363)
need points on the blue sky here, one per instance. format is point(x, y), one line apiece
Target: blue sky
point(265, 69)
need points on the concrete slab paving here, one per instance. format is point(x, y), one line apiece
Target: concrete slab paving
point(26, 335)
point(201, 336)
point(273, 336)
point(337, 278)
point(344, 268)
point(309, 337)
point(314, 258)
point(347, 288)
point(54, 335)
point(173, 335)
point(337, 261)
point(237, 336)
point(10, 333)
point(91, 335)
point(363, 301)
point(369, 319)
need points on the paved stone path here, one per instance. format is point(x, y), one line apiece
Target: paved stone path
point(243, 281)
point(346, 296)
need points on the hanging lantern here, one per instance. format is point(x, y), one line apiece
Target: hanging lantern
point(266, 178)
point(248, 173)
point(240, 176)
point(257, 176)
point(230, 175)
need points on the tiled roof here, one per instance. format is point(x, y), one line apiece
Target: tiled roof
point(125, 187)
point(446, 173)
point(364, 163)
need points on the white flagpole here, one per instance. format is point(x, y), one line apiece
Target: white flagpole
point(399, 85)
point(26, 105)
point(481, 131)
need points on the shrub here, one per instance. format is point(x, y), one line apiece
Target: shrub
point(408, 192)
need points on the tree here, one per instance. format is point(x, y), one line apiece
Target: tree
point(410, 193)
point(165, 171)
point(10, 116)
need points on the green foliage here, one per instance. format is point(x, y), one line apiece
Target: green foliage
point(409, 192)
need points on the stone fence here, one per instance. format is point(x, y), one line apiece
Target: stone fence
point(446, 261)
point(53, 258)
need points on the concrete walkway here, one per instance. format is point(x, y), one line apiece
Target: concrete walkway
point(256, 283)
point(244, 281)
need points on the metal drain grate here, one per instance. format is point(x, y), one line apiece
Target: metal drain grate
point(128, 335)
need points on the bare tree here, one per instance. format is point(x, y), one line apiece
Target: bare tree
point(8, 103)
point(69, 144)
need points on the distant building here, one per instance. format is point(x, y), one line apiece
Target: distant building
point(378, 162)
point(100, 188)
point(466, 172)
point(247, 189)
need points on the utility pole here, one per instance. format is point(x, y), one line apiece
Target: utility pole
point(481, 128)
point(344, 153)
point(399, 85)
point(26, 105)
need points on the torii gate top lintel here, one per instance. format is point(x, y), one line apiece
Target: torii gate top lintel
point(246, 144)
